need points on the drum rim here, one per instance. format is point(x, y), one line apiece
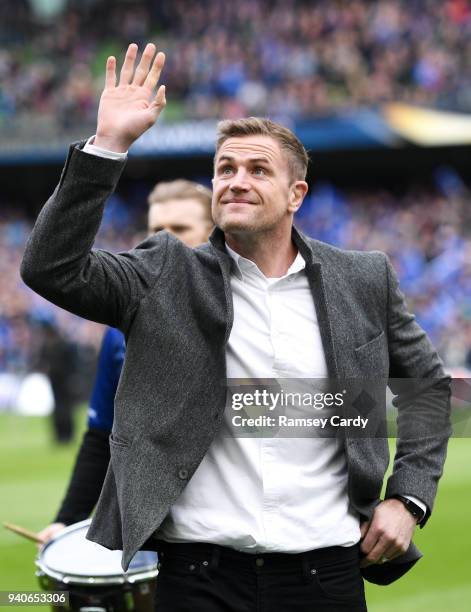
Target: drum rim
point(100, 581)
point(131, 576)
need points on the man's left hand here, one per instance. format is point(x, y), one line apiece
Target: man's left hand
point(388, 534)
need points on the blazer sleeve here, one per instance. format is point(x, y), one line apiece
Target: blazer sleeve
point(59, 262)
point(422, 396)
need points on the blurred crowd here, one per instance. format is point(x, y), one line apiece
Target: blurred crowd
point(288, 59)
point(36, 336)
point(424, 229)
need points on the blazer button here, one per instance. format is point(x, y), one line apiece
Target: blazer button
point(183, 473)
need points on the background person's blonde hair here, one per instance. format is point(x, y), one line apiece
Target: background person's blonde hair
point(181, 189)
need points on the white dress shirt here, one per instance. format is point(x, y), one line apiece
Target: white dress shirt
point(268, 494)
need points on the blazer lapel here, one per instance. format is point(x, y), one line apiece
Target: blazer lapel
point(217, 241)
point(316, 282)
point(324, 316)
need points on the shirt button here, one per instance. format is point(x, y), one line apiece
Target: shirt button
point(259, 562)
point(183, 474)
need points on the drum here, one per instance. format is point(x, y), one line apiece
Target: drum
point(93, 575)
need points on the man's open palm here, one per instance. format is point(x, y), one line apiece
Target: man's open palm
point(128, 108)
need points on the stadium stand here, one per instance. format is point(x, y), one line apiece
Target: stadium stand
point(287, 58)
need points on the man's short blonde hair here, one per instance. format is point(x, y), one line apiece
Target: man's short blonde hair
point(296, 155)
point(181, 189)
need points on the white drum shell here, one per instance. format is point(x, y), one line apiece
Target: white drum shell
point(71, 559)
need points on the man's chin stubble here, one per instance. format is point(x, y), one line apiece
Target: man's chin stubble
point(238, 227)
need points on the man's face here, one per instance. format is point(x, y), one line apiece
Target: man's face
point(185, 219)
point(252, 187)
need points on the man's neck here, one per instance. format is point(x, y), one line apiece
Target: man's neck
point(273, 255)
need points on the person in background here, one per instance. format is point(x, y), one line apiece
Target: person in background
point(182, 208)
point(57, 359)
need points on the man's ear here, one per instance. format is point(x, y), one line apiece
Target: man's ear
point(297, 194)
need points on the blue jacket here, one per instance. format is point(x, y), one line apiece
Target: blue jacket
point(110, 363)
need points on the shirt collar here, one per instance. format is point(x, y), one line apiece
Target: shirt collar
point(303, 243)
point(242, 265)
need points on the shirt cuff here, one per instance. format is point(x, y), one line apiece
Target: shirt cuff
point(420, 503)
point(99, 152)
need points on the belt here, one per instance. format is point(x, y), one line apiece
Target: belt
point(214, 555)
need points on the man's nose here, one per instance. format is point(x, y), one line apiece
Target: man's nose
point(239, 181)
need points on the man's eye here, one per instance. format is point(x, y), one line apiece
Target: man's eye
point(225, 169)
point(259, 170)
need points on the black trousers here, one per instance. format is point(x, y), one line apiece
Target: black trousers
point(209, 578)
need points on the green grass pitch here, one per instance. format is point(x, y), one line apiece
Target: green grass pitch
point(33, 475)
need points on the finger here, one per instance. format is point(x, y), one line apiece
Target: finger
point(391, 552)
point(154, 74)
point(43, 538)
point(128, 65)
point(370, 540)
point(396, 549)
point(159, 102)
point(110, 77)
point(364, 528)
point(142, 69)
point(377, 552)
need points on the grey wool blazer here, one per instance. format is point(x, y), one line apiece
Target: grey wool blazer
point(174, 306)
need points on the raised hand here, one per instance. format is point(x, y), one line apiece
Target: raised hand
point(129, 108)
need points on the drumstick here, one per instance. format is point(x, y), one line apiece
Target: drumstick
point(25, 533)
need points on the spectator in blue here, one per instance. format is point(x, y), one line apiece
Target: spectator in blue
point(182, 208)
